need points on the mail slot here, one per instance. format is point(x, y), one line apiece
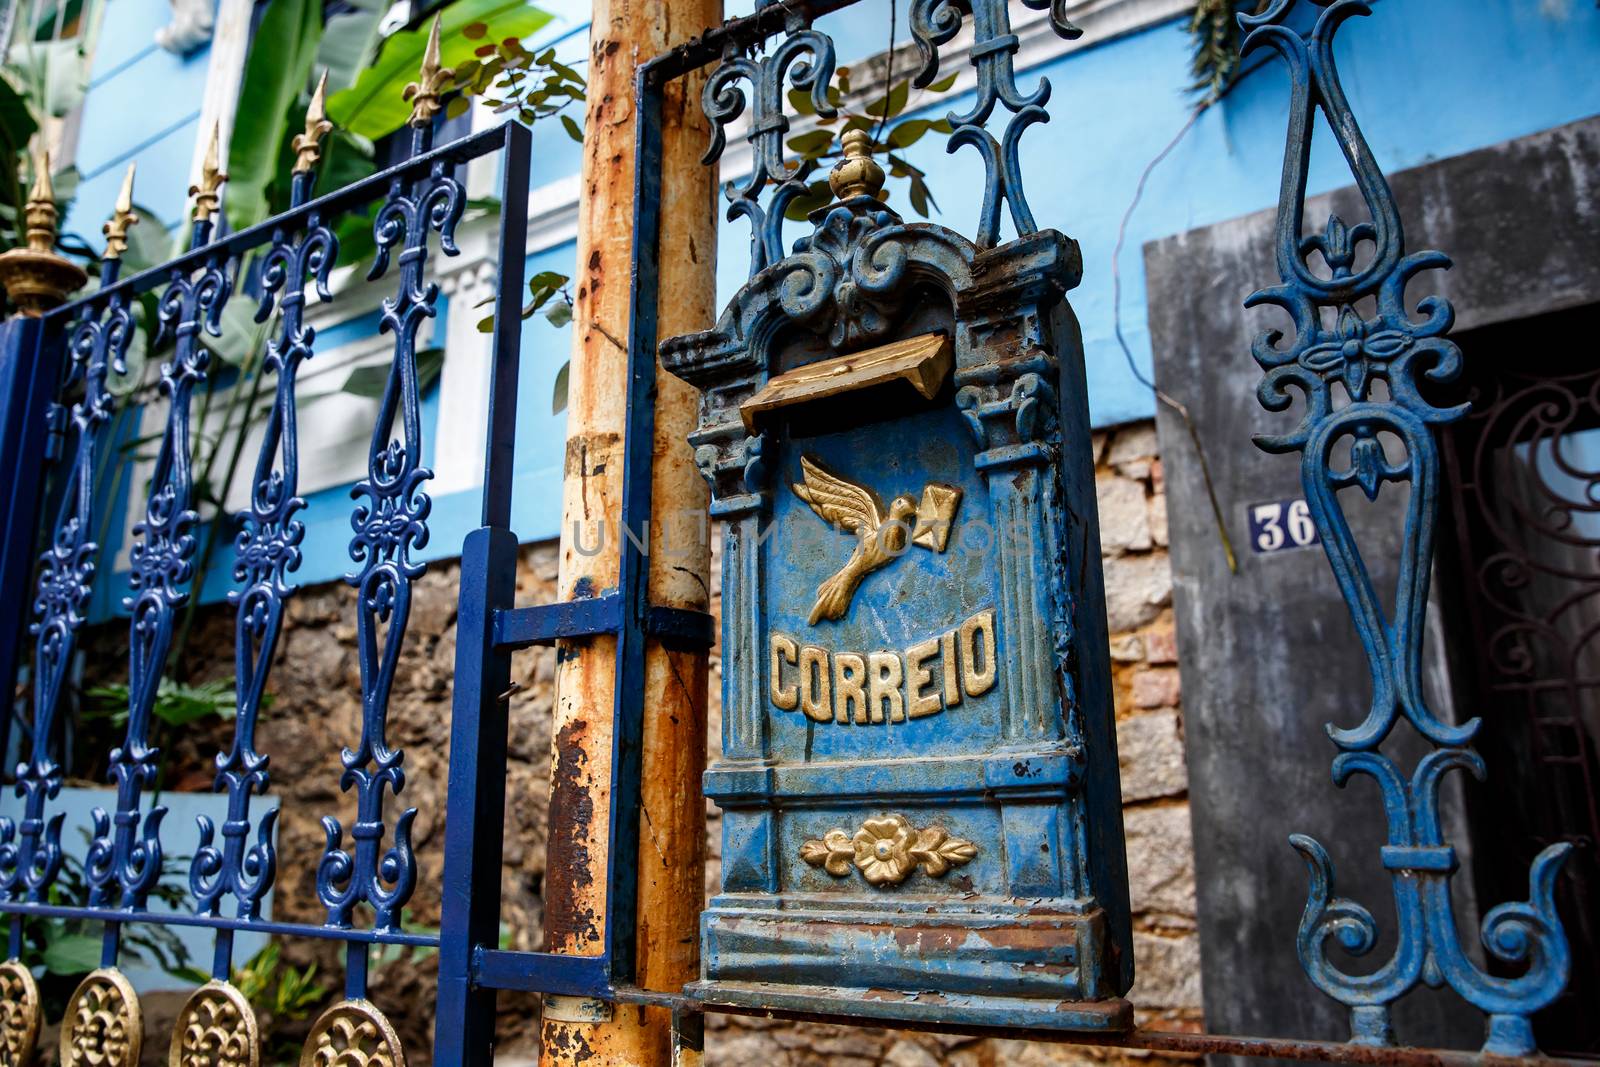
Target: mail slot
point(921, 814)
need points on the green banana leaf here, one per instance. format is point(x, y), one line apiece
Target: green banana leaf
point(349, 41)
point(374, 106)
point(275, 74)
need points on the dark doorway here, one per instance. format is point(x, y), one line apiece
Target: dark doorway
point(1519, 577)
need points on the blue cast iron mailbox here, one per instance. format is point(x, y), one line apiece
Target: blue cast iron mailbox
point(921, 817)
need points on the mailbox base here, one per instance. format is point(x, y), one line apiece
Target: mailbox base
point(994, 963)
point(928, 1009)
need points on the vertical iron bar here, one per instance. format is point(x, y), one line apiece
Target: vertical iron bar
point(355, 969)
point(475, 801)
point(476, 797)
point(498, 471)
point(622, 874)
point(29, 371)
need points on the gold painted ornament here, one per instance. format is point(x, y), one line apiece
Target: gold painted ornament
point(34, 276)
point(434, 81)
point(882, 534)
point(20, 1014)
point(353, 1033)
point(217, 1028)
point(103, 1025)
point(886, 850)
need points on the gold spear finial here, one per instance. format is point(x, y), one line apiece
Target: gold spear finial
point(206, 198)
point(424, 94)
point(122, 217)
point(857, 174)
point(306, 145)
point(35, 278)
point(40, 212)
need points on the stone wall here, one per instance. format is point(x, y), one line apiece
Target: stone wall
point(316, 708)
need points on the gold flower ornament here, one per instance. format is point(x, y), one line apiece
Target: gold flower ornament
point(887, 849)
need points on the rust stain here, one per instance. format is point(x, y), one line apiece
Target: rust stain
point(569, 922)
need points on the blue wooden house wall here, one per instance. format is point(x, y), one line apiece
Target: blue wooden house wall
point(1428, 79)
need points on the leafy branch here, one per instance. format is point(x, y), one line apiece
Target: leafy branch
point(512, 80)
point(1214, 31)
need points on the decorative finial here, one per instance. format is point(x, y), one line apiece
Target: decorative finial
point(35, 278)
point(40, 211)
point(857, 174)
point(424, 94)
point(306, 144)
point(206, 198)
point(122, 217)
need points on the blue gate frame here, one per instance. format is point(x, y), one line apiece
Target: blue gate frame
point(80, 344)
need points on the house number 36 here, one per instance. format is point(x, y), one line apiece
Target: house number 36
point(1281, 525)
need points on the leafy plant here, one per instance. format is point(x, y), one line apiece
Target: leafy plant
point(43, 76)
point(67, 949)
point(279, 993)
point(374, 107)
point(176, 704)
point(276, 71)
point(275, 990)
point(1214, 30)
point(512, 79)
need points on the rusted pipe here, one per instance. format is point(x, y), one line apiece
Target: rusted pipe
point(671, 860)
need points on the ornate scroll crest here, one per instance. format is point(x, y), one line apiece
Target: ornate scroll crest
point(936, 22)
point(1338, 343)
point(389, 525)
point(804, 60)
point(886, 850)
point(216, 1028)
point(103, 1025)
point(352, 1033)
point(21, 1014)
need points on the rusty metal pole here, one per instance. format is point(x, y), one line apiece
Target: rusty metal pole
point(671, 857)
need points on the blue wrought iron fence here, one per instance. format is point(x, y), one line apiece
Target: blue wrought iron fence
point(1354, 328)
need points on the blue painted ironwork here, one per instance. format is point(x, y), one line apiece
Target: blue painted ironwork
point(806, 60)
point(236, 859)
point(266, 550)
point(1345, 289)
point(852, 267)
point(124, 858)
point(936, 22)
point(389, 525)
point(30, 852)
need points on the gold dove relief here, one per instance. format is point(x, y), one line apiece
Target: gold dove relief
point(881, 536)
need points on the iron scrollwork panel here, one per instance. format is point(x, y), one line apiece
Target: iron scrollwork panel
point(936, 22)
point(126, 850)
point(30, 852)
point(266, 550)
point(389, 525)
point(1345, 290)
point(804, 61)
